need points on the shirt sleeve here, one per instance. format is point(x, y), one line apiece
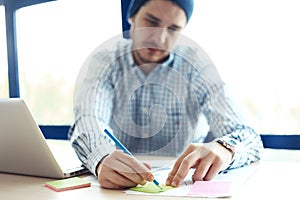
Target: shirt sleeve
point(224, 119)
point(248, 146)
point(235, 130)
point(92, 112)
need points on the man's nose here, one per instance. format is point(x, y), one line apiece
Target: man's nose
point(160, 35)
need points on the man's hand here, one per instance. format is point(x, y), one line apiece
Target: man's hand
point(119, 170)
point(207, 159)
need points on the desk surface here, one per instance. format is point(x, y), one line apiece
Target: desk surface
point(276, 178)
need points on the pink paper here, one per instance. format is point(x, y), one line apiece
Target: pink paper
point(211, 188)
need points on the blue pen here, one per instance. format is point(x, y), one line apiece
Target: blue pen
point(126, 151)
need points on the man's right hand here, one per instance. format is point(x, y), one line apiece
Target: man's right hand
point(119, 170)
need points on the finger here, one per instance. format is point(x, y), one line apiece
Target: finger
point(202, 168)
point(112, 165)
point(110, 184)
point(130, 174)
point(184, 168)
point(178, 164)
point(121, 180)
point(137, 167)
point(109, 178)
point(213, 170)
point(173, 172)
point(147, 165)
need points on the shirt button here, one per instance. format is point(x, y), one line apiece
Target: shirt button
point(145, 110)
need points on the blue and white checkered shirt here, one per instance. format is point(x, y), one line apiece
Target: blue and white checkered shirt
point(181, 101)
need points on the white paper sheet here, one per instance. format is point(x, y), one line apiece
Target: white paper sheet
point(237, 177)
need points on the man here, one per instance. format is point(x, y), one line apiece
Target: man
point(152, 93)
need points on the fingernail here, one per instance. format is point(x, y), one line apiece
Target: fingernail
point(174, 184)
point(168, 182)
point(150, 178)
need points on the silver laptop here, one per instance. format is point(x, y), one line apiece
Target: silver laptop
point(24, 150)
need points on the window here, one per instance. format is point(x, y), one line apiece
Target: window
point(3, 56)
point(54, 39)
point(255, 46)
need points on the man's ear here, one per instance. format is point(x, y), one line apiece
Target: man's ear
point(132, 25)
point(131, 21)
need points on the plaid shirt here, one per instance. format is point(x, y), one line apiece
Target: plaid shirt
point(181, 101)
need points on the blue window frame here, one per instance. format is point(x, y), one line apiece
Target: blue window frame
point(51, 132)
point(10, 17)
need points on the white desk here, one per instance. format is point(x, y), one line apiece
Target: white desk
point(277, 177)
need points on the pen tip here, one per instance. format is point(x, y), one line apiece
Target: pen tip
point(157, 184)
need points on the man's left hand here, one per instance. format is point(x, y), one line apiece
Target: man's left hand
point(208, 159)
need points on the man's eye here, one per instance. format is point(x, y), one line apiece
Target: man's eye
point(173, 30)
point(152, 23)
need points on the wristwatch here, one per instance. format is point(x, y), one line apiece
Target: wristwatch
point(227, 145)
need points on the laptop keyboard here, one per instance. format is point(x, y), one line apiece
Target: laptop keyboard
point(64, 154)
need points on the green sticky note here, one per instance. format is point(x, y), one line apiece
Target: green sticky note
point(150, 187)
point(67, 184)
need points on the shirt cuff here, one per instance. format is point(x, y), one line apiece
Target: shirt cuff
point(94, 158)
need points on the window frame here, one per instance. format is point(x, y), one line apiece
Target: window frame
point(12, 55)
point(61, 132)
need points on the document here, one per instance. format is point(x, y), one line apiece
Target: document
point(224, 185)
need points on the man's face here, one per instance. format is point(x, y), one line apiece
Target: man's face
point(155, 30)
